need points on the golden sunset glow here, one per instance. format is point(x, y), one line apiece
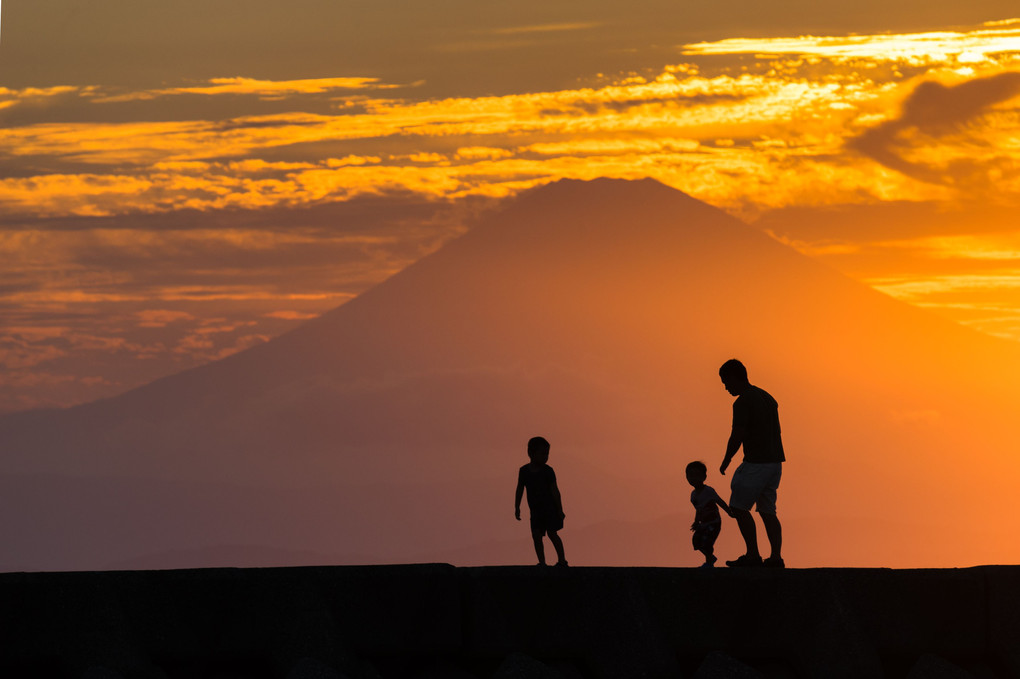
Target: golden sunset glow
point(812, 121)
point(807, 121)
point(182, 184)
point(781, 117)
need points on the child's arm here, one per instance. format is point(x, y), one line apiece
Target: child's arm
point(556, 495)
point(517, 498)
point(719, 501)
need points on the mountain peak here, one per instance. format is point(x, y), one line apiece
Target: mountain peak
point(575, 219)
point(604, 185)
point(635, 195)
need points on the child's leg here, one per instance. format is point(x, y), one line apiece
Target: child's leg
point(557, 544)
point(704, 542)
point(536, 536)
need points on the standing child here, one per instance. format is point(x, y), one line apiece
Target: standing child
point(707, 521)
point(543, 499)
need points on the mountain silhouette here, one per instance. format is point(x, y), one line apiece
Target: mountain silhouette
point(593, 313)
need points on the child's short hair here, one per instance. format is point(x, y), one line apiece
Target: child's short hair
point(697, 467)
point(538, 446)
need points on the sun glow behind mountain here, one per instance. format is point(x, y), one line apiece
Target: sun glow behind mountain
point(594, 313)
point(182, 183)
point(748, 124)
point(122, 197)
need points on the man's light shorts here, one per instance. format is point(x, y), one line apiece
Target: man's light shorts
point(755, 483)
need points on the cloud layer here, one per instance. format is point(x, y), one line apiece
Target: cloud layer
point(963, 123)
point(156, 227)
point(778, 115)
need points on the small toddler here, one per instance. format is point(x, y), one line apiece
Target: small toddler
point(707, 521)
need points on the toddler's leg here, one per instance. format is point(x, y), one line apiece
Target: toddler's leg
point(704, 542)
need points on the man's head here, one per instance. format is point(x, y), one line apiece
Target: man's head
point(538, 450)
point(734, 377)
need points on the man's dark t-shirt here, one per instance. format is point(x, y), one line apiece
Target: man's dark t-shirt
point(539, 482)
point(756, 413)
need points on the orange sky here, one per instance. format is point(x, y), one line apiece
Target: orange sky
point(161, 209)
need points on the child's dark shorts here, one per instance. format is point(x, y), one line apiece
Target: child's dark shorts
point(705, 535)
point(542, 523)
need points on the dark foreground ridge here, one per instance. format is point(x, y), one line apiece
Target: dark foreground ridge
point(435, 621)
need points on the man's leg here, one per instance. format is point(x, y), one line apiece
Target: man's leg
point(767, 509)
point(747, 531)
point(774, 531)
point(744, 490)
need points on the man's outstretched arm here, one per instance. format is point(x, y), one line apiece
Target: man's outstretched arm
point(737, 431)
point(732, 446)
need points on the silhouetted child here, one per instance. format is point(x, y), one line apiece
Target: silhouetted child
point(543, 500)
point(707, 521)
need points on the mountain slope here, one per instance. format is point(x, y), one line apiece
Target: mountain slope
point(596, 314)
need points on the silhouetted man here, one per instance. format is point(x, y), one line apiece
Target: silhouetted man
point(756, 480)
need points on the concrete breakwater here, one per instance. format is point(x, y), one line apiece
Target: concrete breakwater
point(434, 621)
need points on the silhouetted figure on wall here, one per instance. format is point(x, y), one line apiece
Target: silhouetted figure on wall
point(707, 522)
point(756, 480)
point(544, 501)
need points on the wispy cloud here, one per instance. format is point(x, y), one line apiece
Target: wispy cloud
point(160, 318)
point(937, 47)
point(265, 89)
point(915, 289)
point(546, 28)
point(39, 96)
point(941, 134)
point(290, 315)
point(514, 37)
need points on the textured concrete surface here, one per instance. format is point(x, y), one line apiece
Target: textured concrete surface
point(439, 622)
